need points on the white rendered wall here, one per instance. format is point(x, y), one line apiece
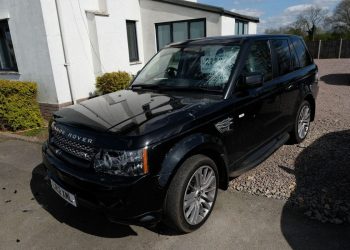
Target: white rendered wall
point(252, 28)
point(157, 12)
point(91, 51)
point(227, 26)
point(30, 45)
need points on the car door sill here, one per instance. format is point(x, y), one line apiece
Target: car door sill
point(260, 155)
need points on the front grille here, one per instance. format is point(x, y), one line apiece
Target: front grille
point(77, 149)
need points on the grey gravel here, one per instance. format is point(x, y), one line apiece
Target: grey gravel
point(313, 176)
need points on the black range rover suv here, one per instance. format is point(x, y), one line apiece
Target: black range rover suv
point(199, 113)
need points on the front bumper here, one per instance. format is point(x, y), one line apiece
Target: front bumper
point(124, 200)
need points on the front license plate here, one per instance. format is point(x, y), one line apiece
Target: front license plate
point(70, 198)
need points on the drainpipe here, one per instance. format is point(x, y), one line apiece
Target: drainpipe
point(65, 51)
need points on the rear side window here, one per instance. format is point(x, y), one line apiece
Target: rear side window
point(259, 60)
point(303, 54)
point(283, 55)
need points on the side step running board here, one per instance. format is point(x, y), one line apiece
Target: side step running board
point(260, 155)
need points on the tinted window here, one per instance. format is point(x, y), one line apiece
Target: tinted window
point(301, 51)
point(132, 41)
point(180, 31)
point(283, 56)
point(241, 27)
point(259, 60)
point(7, 54)
point(197, 29)
point(171, 32)
point(294, 58)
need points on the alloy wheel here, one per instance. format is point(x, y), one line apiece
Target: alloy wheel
point(199, 195)
point(304, 121)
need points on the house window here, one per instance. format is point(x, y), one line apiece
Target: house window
point(7, 53)
point(241, 27)
point(178, 31)
point(132, 41)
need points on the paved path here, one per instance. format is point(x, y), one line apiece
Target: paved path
point(32, 216)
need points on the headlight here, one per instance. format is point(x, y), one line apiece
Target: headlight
point(122, 163)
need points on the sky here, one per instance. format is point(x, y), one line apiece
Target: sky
point(272, 13)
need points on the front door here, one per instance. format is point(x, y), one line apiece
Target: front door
point(256, 110)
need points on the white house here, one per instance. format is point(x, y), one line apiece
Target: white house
point(64, 44)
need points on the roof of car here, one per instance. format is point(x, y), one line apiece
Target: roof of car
point(227, 39)
point(210, 8)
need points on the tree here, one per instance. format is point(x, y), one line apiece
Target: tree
point(309, 20)
point(341, 18)
point(285, 30)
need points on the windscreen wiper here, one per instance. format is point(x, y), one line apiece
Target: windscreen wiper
point(145, 86)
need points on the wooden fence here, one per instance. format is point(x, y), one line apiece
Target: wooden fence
point(329, 49)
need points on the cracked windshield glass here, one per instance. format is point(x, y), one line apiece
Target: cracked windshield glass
point(197, 67)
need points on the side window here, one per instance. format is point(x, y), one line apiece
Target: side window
point(259, 60)
point(281, 48)
point(302, 52)
point(294, 58)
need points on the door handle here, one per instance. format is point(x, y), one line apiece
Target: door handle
point(289, 85)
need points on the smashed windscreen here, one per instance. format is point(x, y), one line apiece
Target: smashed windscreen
point(205, 67)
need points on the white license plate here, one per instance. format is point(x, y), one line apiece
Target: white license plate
point(70, 198)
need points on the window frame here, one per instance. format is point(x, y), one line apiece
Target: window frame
point(293, 53)
point(137, 58)
point(239, 21)
point(14, 68)
point(303, 45)
point(188, 21)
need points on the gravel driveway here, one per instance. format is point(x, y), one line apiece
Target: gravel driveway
point(315, 175)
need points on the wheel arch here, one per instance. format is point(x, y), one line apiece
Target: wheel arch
point(204, 144)
point(312, 102)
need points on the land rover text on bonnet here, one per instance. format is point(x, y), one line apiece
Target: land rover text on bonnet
point(199, 113)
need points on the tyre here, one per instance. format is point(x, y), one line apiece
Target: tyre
point(302, 123)
point(192, 194)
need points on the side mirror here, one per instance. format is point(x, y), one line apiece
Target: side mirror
point(253, 80)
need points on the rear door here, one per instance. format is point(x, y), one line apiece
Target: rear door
point(301, 74)
point(285, 63)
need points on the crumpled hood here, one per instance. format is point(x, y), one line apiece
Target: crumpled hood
point(134, 112)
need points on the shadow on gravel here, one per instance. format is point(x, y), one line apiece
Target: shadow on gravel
point(82, 219)
point(322, 193)
point(336, 79)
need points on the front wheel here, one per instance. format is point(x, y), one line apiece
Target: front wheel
point(192, 194)
point(302, 123)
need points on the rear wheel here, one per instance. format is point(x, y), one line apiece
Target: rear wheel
point(192, 194)
point(302, 123)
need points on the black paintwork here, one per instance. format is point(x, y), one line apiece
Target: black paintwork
point(174, 125)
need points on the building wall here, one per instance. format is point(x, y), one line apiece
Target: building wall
point(227, 26)
point(252, 28)
point(157, 12)
point(95, 31)
point(30, 44)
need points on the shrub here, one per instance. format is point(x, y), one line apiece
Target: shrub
point(111, 82)
point(18, 106)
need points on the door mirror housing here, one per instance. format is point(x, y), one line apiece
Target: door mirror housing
point(253, 80)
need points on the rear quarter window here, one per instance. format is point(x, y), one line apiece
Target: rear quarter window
point(301, 51)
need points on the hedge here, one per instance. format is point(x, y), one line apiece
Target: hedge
point(19, 109)
point(111, 82)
